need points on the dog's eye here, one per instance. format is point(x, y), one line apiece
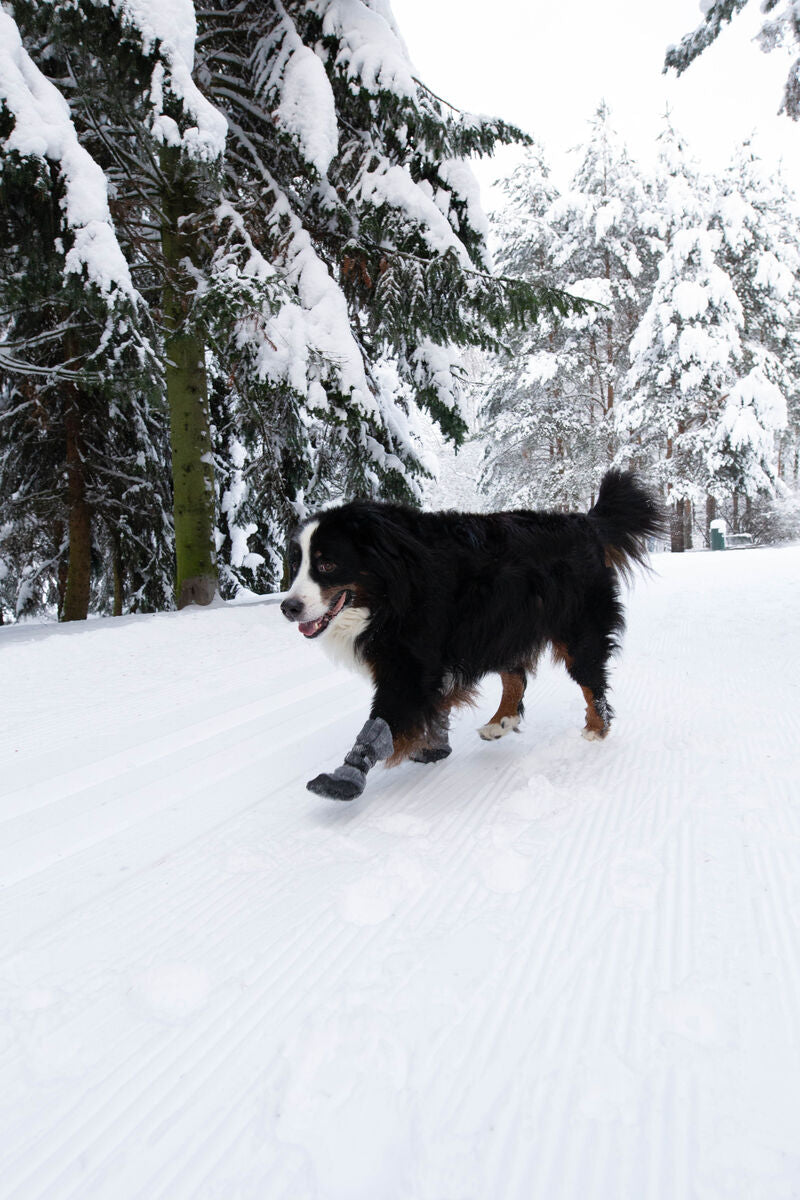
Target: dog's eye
point(325, 567)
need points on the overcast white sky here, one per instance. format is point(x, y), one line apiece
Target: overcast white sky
point(545, 65)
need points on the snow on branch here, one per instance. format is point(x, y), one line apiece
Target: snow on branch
point(752, 414)
point(170, 26)
point(371, 51)
point(392, 185)
point(307, 111)
point(306, 339)
point(43, 129)
point(167, 29)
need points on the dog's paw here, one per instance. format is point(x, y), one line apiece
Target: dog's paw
point(498, 729)
point(334, 788)
point(595, 735)
point(430, 754)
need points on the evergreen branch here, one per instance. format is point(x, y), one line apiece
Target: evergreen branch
point(548, 298)
point(429, 92)
point(17, 366)
point(10, 413)
point(680, 57)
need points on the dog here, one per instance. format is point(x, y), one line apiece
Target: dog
point(426, 604)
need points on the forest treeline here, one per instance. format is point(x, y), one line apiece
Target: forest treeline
point(688, 370)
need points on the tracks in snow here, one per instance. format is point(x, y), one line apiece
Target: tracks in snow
point(545, 969)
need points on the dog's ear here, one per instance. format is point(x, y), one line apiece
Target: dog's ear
point(392, 555)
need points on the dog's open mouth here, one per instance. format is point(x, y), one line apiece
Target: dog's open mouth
point(312, 629)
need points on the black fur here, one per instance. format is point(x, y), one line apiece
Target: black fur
point(453, 597)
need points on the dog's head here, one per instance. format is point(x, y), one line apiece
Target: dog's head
point(356, 556)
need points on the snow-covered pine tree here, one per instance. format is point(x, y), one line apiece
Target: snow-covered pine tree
point(71, 323)
point(524, 423)
point(369, 211)
point(757, 216)
point(297, 208)
point(780, 31)
point(686, 353)
point(550, 401)
point(348, 265)
point(715, 356)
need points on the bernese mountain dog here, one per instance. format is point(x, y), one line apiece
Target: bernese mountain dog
point(427, 603)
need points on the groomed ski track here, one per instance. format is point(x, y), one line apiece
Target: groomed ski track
point(544, 970)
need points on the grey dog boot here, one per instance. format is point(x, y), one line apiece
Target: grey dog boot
point(436, 743)
point(374, 742)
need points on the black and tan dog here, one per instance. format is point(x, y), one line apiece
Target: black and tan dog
point(428, 603)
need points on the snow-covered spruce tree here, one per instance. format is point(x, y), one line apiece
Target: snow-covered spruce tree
point(301, 203)
point(780, 31)
point(757, 217)
point(367, 208)
point(526, 424)
point(686, 353)
point(344, 266)
point(715, 355)
point(71, 335)
point(550, 401)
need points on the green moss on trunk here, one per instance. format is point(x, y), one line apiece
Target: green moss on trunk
point(187, 396)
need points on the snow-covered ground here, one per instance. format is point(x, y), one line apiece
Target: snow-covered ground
point(545, 969)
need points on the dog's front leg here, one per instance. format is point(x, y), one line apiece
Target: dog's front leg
point(401, 707)
point(373, 743)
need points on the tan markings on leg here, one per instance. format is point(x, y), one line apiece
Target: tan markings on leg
point(404, 744)
point(513, 691)
point(596, 727)
point(562, 655)
point(507, 717)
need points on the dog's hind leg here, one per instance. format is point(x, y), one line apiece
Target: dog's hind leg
point(586, 662)
point(510, 710)
point(435, 744)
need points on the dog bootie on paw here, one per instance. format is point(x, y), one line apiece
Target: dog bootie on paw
point(373, 743)
point(436, 745)
point(430, 754)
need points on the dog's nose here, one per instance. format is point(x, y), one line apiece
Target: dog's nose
point(291, 608)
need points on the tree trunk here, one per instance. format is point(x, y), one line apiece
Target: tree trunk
point(79, 572)
point(688, 518)
point(117, 574)
point(678, 528)
point(187, 397)
point(192, 471)
point(711, 515)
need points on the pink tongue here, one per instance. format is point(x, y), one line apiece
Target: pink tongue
point(309, 627)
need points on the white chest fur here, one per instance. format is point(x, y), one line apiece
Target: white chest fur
point(339, 640)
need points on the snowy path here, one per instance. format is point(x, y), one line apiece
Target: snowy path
point(544, 970)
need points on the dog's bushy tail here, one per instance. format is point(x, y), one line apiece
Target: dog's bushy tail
point(625, 515)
